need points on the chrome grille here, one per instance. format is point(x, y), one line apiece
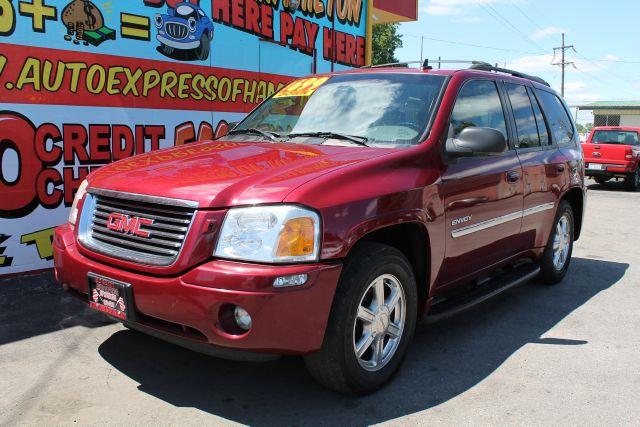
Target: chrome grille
point(177, 31)
point(158, 241)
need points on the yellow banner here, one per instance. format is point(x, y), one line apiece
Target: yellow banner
point(302, 87)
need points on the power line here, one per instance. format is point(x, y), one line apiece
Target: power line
point(508, 25)
point(454, 42)
point(621, 61)
point(530, 19)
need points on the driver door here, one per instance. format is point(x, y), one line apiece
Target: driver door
point(483, 195)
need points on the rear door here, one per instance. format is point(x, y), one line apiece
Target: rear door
point(543, 164)
point(482, 195)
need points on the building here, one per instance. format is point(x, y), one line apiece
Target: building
point(86, 82)
point(614, 113)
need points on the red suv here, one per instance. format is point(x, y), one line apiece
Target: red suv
point(331, 219)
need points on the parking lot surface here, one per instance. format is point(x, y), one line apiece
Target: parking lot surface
point(564, 355)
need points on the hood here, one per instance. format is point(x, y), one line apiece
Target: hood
point(222, 174)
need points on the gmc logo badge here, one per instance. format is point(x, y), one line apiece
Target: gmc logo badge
point(128, 225)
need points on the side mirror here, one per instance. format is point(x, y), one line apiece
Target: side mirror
point(476, 140)
point(223, 128)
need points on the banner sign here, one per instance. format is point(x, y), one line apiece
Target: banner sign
point(84, 83)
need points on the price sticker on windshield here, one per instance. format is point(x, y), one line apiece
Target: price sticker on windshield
point(302, 87)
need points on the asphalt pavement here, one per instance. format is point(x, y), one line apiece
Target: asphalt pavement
point(535, 355)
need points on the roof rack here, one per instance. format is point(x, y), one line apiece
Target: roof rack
point(485, 66)
point(426, 64)
point(475, 65)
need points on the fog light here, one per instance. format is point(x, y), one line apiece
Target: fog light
point(289, 281)
point(242, 318)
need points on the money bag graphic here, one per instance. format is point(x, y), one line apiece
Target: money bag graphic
point(81, 17)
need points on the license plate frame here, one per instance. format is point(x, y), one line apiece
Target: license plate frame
point(110, 296)
point(595, 167)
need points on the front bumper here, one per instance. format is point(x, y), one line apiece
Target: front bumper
point(178, 45)
point(189, 306)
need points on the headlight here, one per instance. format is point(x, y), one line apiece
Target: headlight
point(273, 234)
point(158, 20)
point(82, 190)
point(192, 24)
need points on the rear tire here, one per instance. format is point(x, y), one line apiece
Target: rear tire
point(632, 181)
point(361, 327)
point(557, 254)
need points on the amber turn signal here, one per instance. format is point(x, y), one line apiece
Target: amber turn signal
point(296, 238)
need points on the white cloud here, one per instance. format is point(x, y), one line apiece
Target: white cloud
point(543, 63)
point(575, 86)
point(467, 20)
point(451, 7)
point(546, 32)
point(577, 92)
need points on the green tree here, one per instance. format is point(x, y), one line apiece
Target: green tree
point(385, 42)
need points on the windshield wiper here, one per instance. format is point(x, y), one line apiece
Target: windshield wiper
point(253, 131)
point(360, 140)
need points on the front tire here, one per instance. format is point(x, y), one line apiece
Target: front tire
point(372, 321)
point(168, 50)
point(632, 182)
point(202, 51)
point(557, 254)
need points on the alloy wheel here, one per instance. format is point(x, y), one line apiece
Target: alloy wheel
point(561, 242)
point(379, 323)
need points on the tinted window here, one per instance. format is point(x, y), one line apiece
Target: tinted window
point(615, 137)
point(559, 121)
point(523, 113)
point(478, 104)
point(543, 131)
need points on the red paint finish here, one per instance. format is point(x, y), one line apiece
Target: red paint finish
point(356, 191)
point(285, 321)
point(612, 159)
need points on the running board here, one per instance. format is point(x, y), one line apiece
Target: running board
point(481, 293)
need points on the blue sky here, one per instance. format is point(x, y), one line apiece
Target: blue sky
point(523, 33)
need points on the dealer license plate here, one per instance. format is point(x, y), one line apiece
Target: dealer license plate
point(109, 296)
point(595, 166)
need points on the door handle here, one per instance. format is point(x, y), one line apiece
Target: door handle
point(513, 176)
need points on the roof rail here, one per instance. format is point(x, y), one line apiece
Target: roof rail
point(484, 66)
point(426, 64)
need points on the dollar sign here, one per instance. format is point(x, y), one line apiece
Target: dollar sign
point(91, 19)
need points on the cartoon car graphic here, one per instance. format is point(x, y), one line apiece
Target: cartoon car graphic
point(186, 28)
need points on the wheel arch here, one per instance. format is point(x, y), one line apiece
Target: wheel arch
point(412, 239)
point(575, 197)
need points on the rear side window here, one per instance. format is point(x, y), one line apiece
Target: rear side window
point(523, 113)
point(479, 105)
point(559, 121)
point(543, 131)
point(615, 137)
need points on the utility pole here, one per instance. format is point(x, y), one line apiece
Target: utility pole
point(563, 63)
point(421, 49)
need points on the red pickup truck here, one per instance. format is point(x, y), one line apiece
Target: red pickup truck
point(339, 212)
point(613, 152)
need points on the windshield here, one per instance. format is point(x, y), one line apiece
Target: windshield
point(186, 12)
point(615, 137)
point(391, 109)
